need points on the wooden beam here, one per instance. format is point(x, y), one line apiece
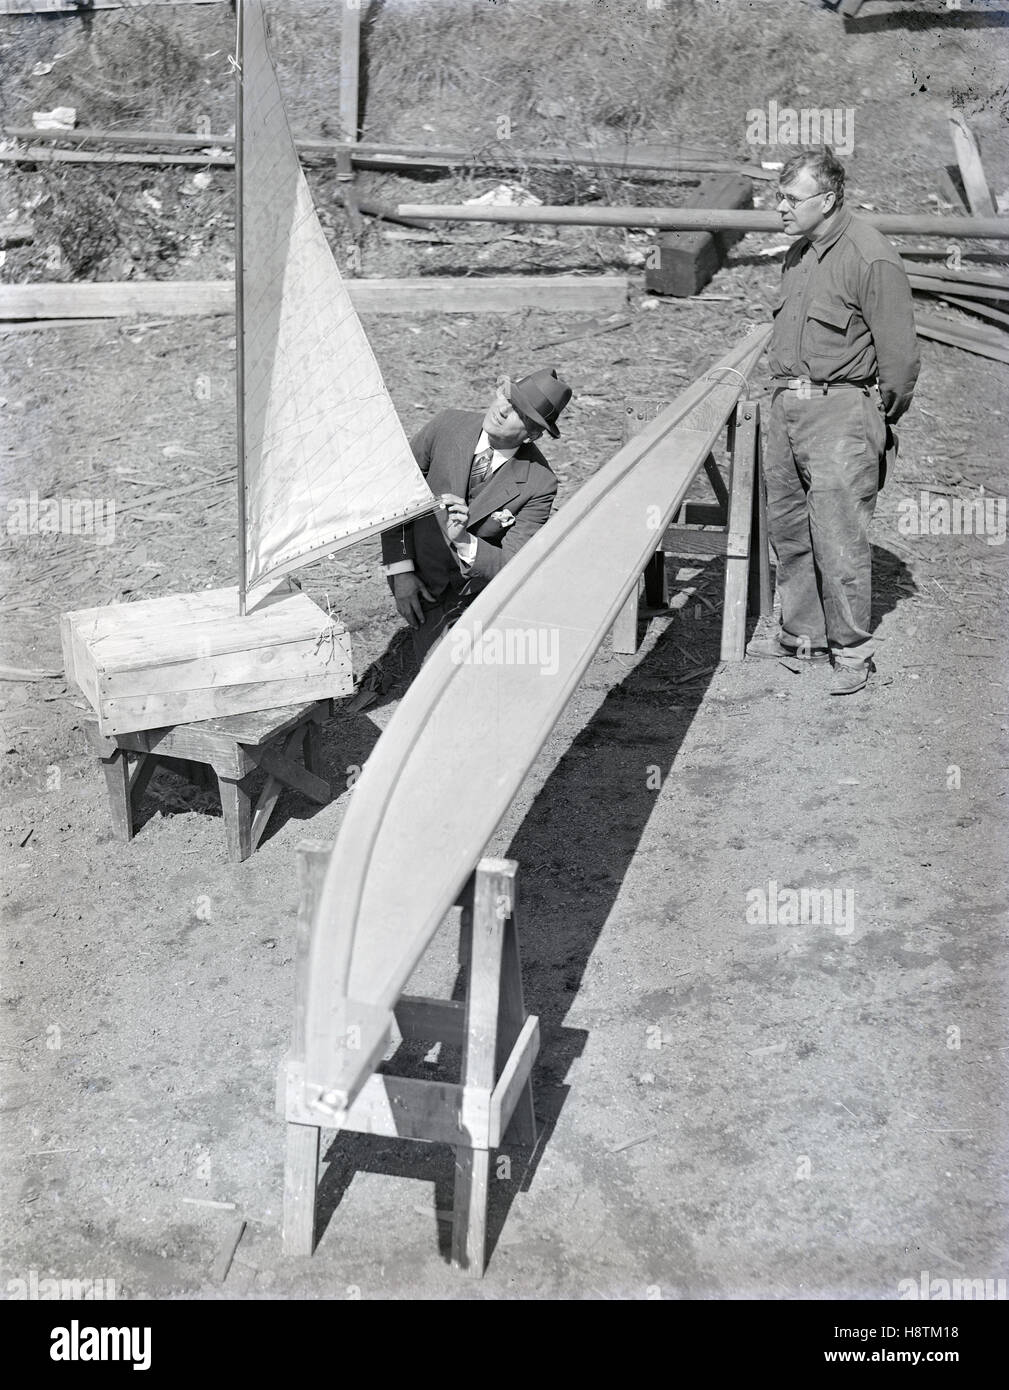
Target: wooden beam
point(688, 260)
point(14, 7)
point(20, 234)
point(933, 284)
point(42, 154)
point(968, 157)
point(974, 306)
point(994, 346)
point(434, 294)
point(671, 158)
point(698, 219)
point(350, 63)
point(967, 280)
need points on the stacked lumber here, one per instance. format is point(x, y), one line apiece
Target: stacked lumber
point(969, 291)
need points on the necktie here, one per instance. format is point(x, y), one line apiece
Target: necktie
point(480, 471)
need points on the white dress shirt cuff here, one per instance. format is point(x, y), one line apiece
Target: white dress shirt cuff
point(399, 567)
point(466, 549)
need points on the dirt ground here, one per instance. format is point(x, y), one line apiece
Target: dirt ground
point(729, 1108)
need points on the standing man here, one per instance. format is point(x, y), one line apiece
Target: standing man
point(498, 491)
point(844, 359)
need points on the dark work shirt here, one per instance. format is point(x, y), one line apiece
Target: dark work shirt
point(844, 313)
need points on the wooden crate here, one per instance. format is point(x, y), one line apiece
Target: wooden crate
point(187, 657)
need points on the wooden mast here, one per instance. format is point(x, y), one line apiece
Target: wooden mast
point(240, 307)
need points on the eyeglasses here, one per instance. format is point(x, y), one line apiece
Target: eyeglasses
point(794, 202)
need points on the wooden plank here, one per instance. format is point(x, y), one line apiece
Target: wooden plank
point(968, 280)
point(433, 294)
point(270, 793)
point(688, 260)
point(17, 7)
point(390, 880)
point(34, 325)
point(469, 1209)
point(624, 633)
point(192, 743)
point(671, 157)
point(968, 157)
point(678, 541)
point(226, 1250)
point(286, 770)
point(262, 726)
point(301, 1180)
point(697, 219)
point(294, 660)
point(350, 60)
point(737, 550)
point(45, 154)
point(936, 285)
point(111, 300)
point(140, 777)
point(312, 857)
point(156, 711)
point(515, 1110)
point(514, 1080)
point(974, 306)
point(761, 592)
point(958, 335)
point(236, 806)
point(18, 234)
point(484, 925)
point(117, 785)
point(434, 1112)
point(263, 810)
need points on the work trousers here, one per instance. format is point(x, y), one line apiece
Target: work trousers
point(821, 464)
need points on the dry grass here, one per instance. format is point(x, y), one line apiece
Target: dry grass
point(489, 76)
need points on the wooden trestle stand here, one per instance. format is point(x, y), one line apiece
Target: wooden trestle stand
point(734, 525)
point(493, 1097)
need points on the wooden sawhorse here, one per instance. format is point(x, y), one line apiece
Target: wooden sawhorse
point(499, 1044)
point(735, 525)
point(233, 746)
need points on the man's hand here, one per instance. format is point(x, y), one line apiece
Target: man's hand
point(456, 516)
point(408, 590)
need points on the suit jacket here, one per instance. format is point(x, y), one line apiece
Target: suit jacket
point(524, 485)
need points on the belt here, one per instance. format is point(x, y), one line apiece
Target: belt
point(804, 386)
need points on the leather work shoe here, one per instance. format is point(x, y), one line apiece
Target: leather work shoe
point(847, 679)
point(771, 646)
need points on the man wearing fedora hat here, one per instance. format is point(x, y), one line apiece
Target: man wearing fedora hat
point(497, 490)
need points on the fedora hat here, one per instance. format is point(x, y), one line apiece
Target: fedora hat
point(540, 397)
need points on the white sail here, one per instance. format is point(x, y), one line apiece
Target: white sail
point(326, 460)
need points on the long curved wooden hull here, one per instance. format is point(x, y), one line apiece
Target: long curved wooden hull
point(446, 769)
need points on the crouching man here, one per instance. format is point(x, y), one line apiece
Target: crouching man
point(498, 490)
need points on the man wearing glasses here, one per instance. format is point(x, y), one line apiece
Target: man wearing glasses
point(844, 362)
point(497, 490)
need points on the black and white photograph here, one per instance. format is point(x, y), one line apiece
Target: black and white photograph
point(503, 669)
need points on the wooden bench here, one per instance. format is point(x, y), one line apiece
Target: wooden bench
point(233, 747)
